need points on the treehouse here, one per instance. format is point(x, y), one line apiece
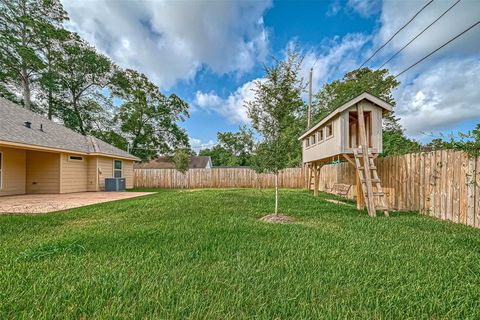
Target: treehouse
point(352, 132)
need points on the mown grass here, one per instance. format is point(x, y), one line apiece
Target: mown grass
point(203, 254)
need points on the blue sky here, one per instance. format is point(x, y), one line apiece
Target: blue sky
point(210, 52)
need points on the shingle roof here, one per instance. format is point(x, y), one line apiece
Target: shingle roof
point(195, 162)
point(48, 134)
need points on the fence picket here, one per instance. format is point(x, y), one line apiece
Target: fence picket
point(444, 184)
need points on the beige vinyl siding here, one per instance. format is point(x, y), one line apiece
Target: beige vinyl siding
point(105, 170)
point(330, 146)
point(73, 174)
point(43, 172)
point(13, 171)
point(92, 175)
point(105, 166)
point(128, 173)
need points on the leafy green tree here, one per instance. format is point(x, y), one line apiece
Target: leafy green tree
point(233, 148)
point(147, 117)
point(469, 142)
point(82, 72)
point(379, 83)
point(21, 23)
point(334, 94)
point(218, 154)
point(52, 38)
point(181, 159)
point(276, 112)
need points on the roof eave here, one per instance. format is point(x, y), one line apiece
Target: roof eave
point(364, 96)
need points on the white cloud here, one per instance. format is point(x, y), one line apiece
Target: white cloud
point(364, 8)
point(463, 15)
point(172, 40)
point(232, 107)
point(332, 60)
point(198, 144)
point(442, 97)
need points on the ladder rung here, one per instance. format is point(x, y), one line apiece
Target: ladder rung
point(379, 194)
point(373, 180)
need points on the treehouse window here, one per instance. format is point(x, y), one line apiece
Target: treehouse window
point(307, 143)
point(320, 135)
point(329, 129)
point(354, 130)
point(313, 138)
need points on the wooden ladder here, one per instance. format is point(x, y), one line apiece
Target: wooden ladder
point(313, 179)
point(367, 173)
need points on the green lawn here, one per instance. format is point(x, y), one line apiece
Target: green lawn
point(203, 254)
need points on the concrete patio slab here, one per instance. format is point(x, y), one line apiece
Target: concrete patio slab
point(43, 203)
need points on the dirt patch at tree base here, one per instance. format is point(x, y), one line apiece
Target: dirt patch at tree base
point(277, 218)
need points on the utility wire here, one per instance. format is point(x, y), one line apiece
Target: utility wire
point(418, 35)
point(446, 43)
point(397, 32)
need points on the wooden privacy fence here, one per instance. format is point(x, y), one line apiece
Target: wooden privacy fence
point(216, 178)
point(444, 184)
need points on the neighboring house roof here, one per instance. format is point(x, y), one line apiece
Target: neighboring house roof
point(46, 134)
point(364, 96)
point(195, 162)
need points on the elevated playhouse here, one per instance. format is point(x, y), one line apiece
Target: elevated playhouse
point(353, 131)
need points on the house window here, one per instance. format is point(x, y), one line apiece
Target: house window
point(1, 169)
point(117, 168)
point(313, 138)
point(307, 143)
point(320, 135)
point(329, 129)
point(75, 158)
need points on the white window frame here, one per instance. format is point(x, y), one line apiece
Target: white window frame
point(2, 164)
point(320, 134)
point(326, 131)
point(307, 142)
point(75, 160)
point(121, 169)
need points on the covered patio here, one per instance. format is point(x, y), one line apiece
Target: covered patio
point(43, 203)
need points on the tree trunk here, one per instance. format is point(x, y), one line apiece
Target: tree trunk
point(276, 193)
point(77, 113)
point(50, 104)
point(26, 90)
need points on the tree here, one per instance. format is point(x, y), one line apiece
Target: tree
point(52, 38)
point(233, 148)
point(21, 23)
point(334, 94)
point(218, 154)
point(379, 83)
point(468, 142)
point(82, 71)
point(147, 117)
point(277, 114)
point(181, 159)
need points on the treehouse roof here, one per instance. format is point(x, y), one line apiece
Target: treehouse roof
point(364, 96)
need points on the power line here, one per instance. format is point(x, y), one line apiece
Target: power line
point(418, 35)
point(446, 43)
point(397, 32)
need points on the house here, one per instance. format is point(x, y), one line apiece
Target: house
point(195, 162)
point(41, 156)
point(339, 132)
point(352, 129)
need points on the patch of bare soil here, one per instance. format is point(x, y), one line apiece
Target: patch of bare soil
point(277, 218)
